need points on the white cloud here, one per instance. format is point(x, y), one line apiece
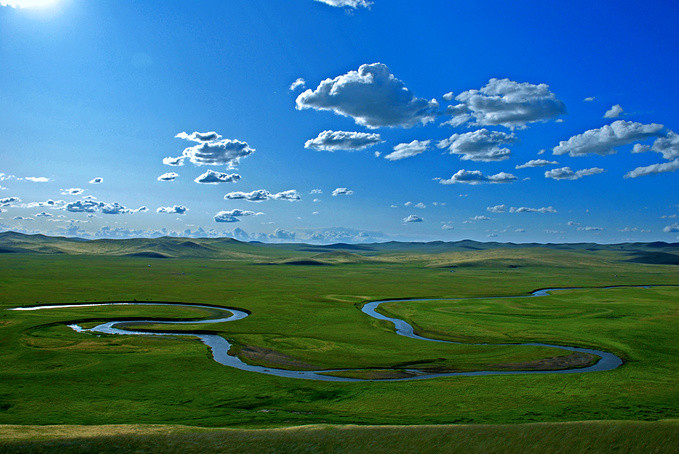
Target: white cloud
point(589, 99)
point(299, 83)
point(97, 180)
point(224, 152)
point(481, 145)
point(211, 150)
point(510, 104)
point(448, 96)
point(342, 191)
point(406, 150)
point(37, 179)
point(479, 218)
point(566, 173)
point(497, 208)
point(213, 177)
point(476, 177)
point(43, 214)
point(347, 3)
point(447, 227)
point(668, 146)
point(233, 215)
point(640, 148)
point(536, 163)
point(199, 137)
point(343, 140)
point(548, 209)
point(169, 176)
point(6, 201)
point(372, 96)
point(590, 228)
point(671, 228)
point(653, 169)
point(614, 112)
point(316, 191)
point(289, 195)
point(261, 195)
point(176, 209)
point(91, 205)
point(175, 162)
point(72, 191)
point(602, 141)
point(412, 218)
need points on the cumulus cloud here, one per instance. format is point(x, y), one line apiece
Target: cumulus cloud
point(199, 137)
point(406, 150)
point(476, 177)
point(91, 205)
point(233, 215)
point(343, 140)
point(497, 208)
point(6, 201)
point(372, 96)
point(412, 218)
point(175, 162)
point(353, 4)
point(604, 140)
point(548, 209)
point(342, 191)
point(613, 112)
point(481, 145)
point(97, 180)
point(43, 214)
point(176, 209)
point(299, 83)
point(169, 176)
point(211, 150)
point(72, 191)
point(668, 146)
point(653, 169)
point(224, 152)
point(640, 148)
point(448, 96)
point(57, 204)
point(536, 163)
point(672, 228)
point(447, 227)
point(589, 99)
point(508, 103)
point(590, 228)
point(479, 218)
point(566, 173)
point(260, 195)
point(212, 177)
point(316, 191)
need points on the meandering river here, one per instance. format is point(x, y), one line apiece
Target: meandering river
point(220, 347)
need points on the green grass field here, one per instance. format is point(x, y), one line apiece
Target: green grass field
point(309, 317)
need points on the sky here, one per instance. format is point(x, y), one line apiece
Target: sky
point(328, 121)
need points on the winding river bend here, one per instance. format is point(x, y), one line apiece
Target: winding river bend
point(220, 346)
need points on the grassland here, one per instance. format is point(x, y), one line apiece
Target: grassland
point(579, 437)
point(309, 315)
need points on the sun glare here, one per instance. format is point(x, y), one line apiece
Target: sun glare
point(28, 3)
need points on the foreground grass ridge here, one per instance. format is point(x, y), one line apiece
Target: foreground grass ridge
point(572, 437)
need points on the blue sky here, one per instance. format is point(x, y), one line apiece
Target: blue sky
point(103, 88)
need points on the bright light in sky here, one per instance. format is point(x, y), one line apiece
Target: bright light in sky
point(28, 3)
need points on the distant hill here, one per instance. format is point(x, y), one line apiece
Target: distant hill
point(434, 253)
